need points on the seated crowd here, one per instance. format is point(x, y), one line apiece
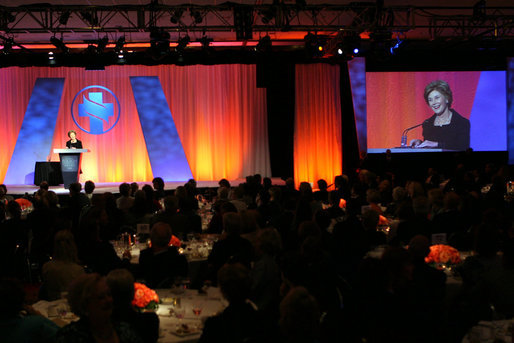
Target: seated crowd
point(343, 263)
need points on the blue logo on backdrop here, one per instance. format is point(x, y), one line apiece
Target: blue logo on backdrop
point(94, 108)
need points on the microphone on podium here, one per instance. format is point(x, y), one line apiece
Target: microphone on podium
point(404, 134)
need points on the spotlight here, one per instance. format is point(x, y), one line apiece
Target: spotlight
point(206, 42)
point(6, 18)
point(90, 17)
point(59, 44)
point(182, 43)
point(314, 45)
point(120, 43)
point(102, 43)
point(396, 45)
point(51, 58)
point(479, 9)
point(196, 15)
point(64, 17)
point(264, 44)
point(159, 43)
point(176, 15)
point(266, 16)
point(356, 51)
point(8, 43)
point(340, 51)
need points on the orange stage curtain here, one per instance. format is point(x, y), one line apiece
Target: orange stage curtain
point(317, 142)
point(219, 113)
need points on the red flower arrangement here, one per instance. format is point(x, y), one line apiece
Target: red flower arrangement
point(441, 253)
point(175, 241)
point(144, 297)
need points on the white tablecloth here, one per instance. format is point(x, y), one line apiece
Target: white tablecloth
point(489, 332)
point(212, 303)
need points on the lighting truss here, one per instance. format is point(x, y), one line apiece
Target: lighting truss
point(428, 22)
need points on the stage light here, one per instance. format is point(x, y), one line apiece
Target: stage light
point(340, 51)
point(90, 17)
point(159, 43)
point(8, 43)
point(6, 18)
point(51, 58)
point(196, 15)
point(120, 43)
point(59, 44)
point(479, 10)
point(396, 45)
point(205, 41)
point(264, 44)
point(102, 43)
point(267, 16)
point(356, 51)
point(182, 43)
point(64, 17)
point(176, 15)
point(314, 45)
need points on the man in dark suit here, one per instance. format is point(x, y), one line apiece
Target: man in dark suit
point(161, 263)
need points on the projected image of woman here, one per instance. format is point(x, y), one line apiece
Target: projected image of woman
point(446, 129)
point(73, 143)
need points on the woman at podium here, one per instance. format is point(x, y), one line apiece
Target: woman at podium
point(73, 143)
point(445, 129)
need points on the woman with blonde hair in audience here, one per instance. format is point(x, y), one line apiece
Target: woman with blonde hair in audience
point(63, 268)
point(90, 298)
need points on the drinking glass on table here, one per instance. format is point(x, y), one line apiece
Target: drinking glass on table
point(197, 308)
point(180, 313)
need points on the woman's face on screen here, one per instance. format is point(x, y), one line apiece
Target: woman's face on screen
point(437, 102)
point(72, 135)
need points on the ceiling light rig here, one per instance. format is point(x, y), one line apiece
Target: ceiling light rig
point(59, 44)
point(182, 44)
point(264, 45)
point(196, 15)
point(159, 43)
point(8, 43)
point(176, 16)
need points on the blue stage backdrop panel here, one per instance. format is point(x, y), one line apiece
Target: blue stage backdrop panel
point(510, 110)
point(37, 130)
point(163, 144)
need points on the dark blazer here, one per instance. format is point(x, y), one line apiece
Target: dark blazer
point(454, 136)
point(160, 269)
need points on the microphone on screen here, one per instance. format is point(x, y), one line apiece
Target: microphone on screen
point(404, 134)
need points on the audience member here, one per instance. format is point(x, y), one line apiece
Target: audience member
point(299, 317)
point(124, 201)
point(239, 322)
point(17, 327)
point(90, 299)
point(231, 247)
point(161, 263)
point(59, 273)
point(144, 324)
point(89, 187)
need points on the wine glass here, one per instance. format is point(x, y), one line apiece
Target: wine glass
point(197, 308)
point(180, 313)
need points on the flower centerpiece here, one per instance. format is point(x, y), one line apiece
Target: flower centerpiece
point(144, 297)
point(175, 241)
point(443, 255)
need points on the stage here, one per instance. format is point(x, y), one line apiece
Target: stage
point(113, 187)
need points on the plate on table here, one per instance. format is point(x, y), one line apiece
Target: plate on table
point(183, 330)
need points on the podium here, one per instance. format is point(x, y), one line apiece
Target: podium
point(70, 164)
point(406, 150)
